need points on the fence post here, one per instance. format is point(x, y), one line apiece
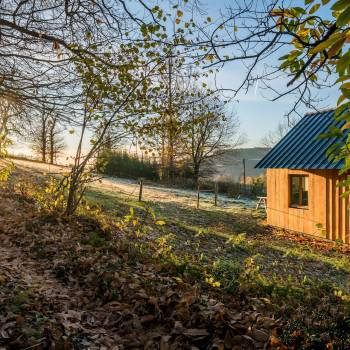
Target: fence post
point(141, 188)
point(244, 177)
point(198, 189)
point(216, 190)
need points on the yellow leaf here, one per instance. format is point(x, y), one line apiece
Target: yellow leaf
point(341, 99)
point(345, 86)
point(325, 44)
point(160, 222)
point(314, 8)
point(346, 126)
point(277, 13)
point(179, 13)
point(303, 32)
point(336, 47)
point(177, 21)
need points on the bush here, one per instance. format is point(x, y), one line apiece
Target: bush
point(123, 164)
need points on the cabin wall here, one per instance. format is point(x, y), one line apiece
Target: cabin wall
point(337, 209)
point(326, 206)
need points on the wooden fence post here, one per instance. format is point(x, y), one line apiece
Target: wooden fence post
point(198, 189)
point(141, 188)
point(216, 190)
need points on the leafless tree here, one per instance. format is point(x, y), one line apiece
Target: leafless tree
point(39, 136)
point(210, 133)
point(41, 39)
point(55, 139)
point(46, 137)
point(12, 115)
point(275, 136)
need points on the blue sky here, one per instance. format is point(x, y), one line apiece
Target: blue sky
point(257, 114)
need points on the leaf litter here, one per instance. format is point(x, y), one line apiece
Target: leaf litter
point(59, 293)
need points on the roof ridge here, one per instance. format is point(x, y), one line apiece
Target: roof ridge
point(321, 111)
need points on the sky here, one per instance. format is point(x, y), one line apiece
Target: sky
point(257, 114)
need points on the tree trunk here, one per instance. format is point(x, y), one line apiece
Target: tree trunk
point(196, 170)
point(43, 139)
point(52, 140)
point(43, 150)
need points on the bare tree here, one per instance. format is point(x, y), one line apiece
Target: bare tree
point(39, 136)
point(210, 133)
point(275, 136)
point(175, 81)
point(12, 114)
point(55, 139)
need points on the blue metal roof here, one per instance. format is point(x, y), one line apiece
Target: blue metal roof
point(301, 149)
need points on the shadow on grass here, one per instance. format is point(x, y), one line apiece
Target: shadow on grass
point(210, 236)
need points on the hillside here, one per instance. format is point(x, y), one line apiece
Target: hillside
point(229, 166)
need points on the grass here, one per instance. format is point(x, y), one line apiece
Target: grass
point(300, 280)
point(226, 243)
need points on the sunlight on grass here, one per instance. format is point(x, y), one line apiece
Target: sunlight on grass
point(231, 248)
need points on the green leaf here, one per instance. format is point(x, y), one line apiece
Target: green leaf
point(343, 78)
point(344, 17)
point(299, 10)
point(343, 63)
point(336, 47)
point(314, 8)
point(325, 44)
point(340, 5)
point(308, 2)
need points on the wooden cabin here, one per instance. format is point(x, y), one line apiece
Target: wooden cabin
point(302, 183)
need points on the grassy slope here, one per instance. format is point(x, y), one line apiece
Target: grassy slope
point(224, 237)
point(305, 280)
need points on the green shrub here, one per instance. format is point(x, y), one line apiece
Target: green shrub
point(228, 273)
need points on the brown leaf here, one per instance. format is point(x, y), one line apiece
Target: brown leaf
point(164, 342)
point(3, 279)
point(194, 332)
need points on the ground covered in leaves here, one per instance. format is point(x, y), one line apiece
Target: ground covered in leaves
point(60, 288)
point(145, 279)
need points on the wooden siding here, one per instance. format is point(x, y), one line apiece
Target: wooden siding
point(327, 208)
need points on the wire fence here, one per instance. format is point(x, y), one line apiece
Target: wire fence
point(141, 188)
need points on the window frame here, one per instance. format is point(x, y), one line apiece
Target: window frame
point(300, 199)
